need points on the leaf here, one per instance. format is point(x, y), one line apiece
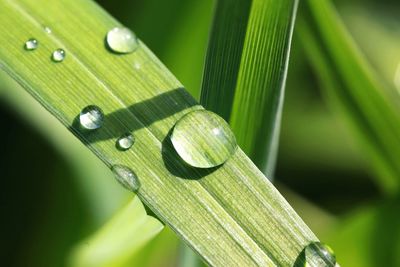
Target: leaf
point(103, 198)
point(383, 53)
point(231, 210)
point(245, 72)
point(116, 241)
point(374, 231)
point(353, 89)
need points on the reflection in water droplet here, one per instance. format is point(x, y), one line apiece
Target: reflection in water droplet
point(91, 117)
point(125, 141)
point(126, 177)
point(319, 254)
point(58, 55)
point(122, 40)
point(47, 29)
point(31, 44)
point(203, 139)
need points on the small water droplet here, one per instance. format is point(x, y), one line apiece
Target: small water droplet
point(122, 40)
point(203, 139)
point(319, 254)
point(31, 44)
point(137, 65)
point(91, 117)
point(125, 141)
point(126, 177)
point(58, 55)
point(47, 29)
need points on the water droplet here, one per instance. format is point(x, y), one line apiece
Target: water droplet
point(319, 254)
point(125, 141)
point(203, 139)
point(47, 29)
point(137, 65)
point(58, 55)
point(91, 117)
point(31, 44)
point(122, 40)
point(126, 177)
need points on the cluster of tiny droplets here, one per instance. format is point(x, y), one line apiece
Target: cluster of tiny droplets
point(31, 44)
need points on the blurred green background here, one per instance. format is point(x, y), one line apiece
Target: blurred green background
point(55, 192)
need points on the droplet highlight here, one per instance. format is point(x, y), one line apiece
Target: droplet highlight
point(58, 55)
point(203, 139)
point(125, 142)
point(47, 29)
point(31, 44)
point(91, 117)
point(126, 177)
point(122, 40)
point(319, 254)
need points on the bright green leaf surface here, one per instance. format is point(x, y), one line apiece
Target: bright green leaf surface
point(210, 210)
point(245, 72)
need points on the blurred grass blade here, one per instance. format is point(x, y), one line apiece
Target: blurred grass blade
point(116, 242)
point(245, 72)
point(384, 52)
point(104, 198)
point(231, 210)
point(374, 231)
point(352, 88)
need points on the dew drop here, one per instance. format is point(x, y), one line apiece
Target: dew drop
point(126, 177)
point(319, 254)
point(122, 40)
point(203, 139)
point(31, 44)
point(47, 29)
point(58, 55)
point(137, 66)
point(91, 117)
point(125, 141)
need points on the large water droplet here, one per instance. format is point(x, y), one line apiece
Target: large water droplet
point(122, 40)
point(91, 117)
point(31, 44)
point(126, 177)
point(203, 139)
point(58, 55)
point(319, 254)
point(125, 141)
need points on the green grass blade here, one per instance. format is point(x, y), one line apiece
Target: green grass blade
point(246, 69)
point(104, 198)
point(353, 88)
point(232, 210)
point(117, 241)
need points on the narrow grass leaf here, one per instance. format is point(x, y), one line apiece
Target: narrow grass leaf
point(245, 72)
point(227, 210)
point(353, 89)
point(118, 239)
